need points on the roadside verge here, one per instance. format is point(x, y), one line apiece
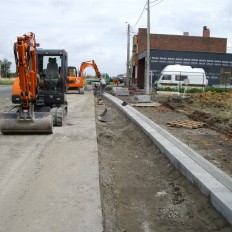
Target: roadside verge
point(209, 179)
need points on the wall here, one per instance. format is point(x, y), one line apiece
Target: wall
point(181, 43)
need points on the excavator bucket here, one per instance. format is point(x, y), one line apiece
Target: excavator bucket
point(40, 123)
point(105, 116)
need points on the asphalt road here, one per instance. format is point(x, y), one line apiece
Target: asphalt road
point(5, 91)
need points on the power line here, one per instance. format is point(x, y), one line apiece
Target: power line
point(156, 3)
point(145, 9)
point(140, 14)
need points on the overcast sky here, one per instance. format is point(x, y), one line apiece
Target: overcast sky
point(96, 30)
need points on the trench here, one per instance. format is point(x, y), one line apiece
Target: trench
point(140, 189)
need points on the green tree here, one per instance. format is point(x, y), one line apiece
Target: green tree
point(5, 67)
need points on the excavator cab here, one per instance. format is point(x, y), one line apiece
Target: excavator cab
point(52, 69)
point(72, 71)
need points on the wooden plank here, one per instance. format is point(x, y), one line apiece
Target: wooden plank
point(187, 124)
point(146, 104)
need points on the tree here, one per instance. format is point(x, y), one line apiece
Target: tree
point(5, 68)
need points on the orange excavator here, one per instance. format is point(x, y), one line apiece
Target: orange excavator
point(75, 81)
point(87, 64)
point(39, 106)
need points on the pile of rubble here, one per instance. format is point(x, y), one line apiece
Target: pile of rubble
point(214, 99)
point(213, 108)
point(216, 112)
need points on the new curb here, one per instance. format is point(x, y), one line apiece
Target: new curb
point(211, 181)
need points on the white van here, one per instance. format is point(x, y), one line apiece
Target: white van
point(178, 76)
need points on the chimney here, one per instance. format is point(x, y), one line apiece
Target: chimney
point(206, 32)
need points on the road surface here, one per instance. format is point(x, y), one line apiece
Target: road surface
point(5, 91)
point(51, 182)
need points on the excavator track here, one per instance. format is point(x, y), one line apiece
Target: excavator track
point(58, 114)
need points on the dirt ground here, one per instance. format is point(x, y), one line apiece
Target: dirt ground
point(213, 142)
point(140, 189)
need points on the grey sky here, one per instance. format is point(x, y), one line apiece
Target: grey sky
point(97, 29)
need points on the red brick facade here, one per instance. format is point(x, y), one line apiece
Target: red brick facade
point(181, 42)
point(203, 43)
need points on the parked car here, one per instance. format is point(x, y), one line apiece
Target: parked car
point(121, 78)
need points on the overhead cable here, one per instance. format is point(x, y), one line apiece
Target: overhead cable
point(157, 3)
point(140, 15)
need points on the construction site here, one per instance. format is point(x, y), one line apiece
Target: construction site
point(146, 151)
point(108, 175)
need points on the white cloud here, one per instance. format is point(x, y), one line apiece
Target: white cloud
point(97, 30)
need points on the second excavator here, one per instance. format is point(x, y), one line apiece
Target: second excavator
point(74, 82)
point(77, 81)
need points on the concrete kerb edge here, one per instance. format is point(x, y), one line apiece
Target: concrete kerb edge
point(209, 167)
point(222, 202)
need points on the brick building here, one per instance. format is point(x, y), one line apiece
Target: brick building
point(203, 51)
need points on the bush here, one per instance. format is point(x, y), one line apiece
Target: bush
point(195, 90)
point(218, 90)
point(6, 81)
point(167, 89)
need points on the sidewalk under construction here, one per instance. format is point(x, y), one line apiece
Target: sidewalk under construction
point(51, 182)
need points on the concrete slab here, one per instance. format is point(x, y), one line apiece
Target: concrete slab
point(142, 98)
point(212, 182)
point(119, 91)
point(88, 87)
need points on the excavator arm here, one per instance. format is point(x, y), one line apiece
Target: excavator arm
point(98, 74)
point(87, 64)
point(23, 118)
point(25, 57)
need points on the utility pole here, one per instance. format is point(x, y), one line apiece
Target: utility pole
point(146, 79)
point(128, 57)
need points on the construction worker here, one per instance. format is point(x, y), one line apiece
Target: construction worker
point(95, 89)
point(102, 84)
